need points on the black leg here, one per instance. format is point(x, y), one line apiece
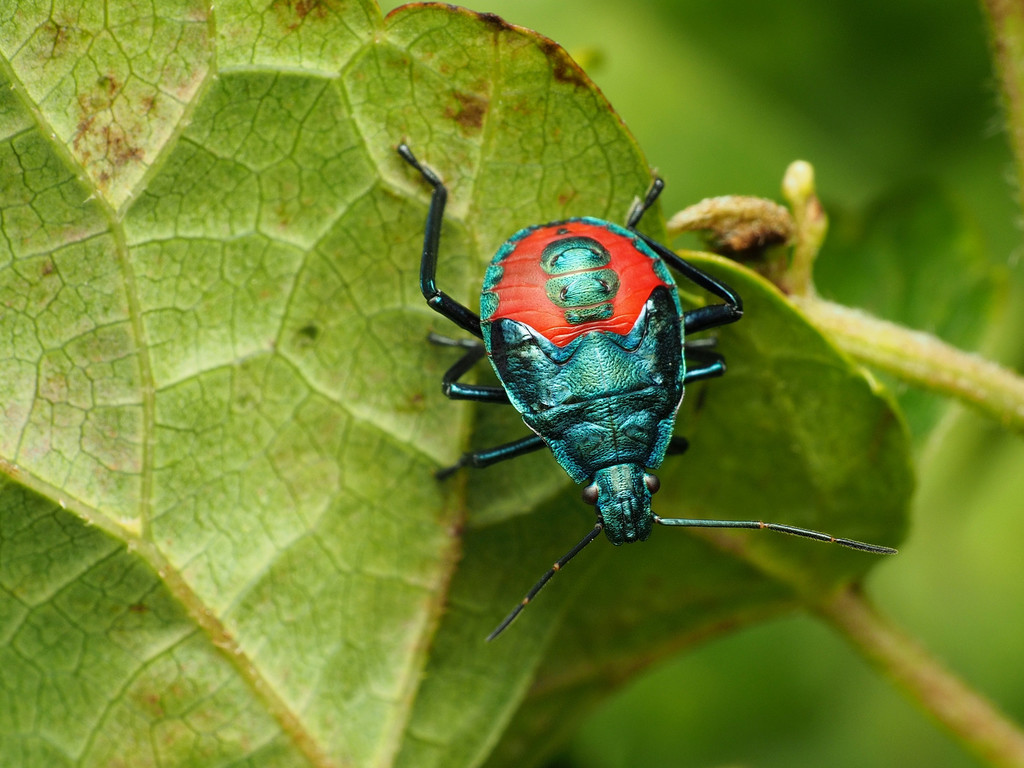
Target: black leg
point(480, 459)
point(453, 389)
point(641, 207)
point(450, 384)
point(705, 317)
point(437, 299)
point(695, 319)
point(703, 364)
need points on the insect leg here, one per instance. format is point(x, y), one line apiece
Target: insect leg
point(640, 207)
point(437, 299)
point(697, 319)
point(705, 317)
point(708, 365)
point(450, 384)
point(480, 459)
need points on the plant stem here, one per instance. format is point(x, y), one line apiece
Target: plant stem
point(1006, 27)
point(921, 359)
point(811, 226)
point(972, 719)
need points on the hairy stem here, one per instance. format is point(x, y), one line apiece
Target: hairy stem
point(921, 359)
point(972, 719)
point(1006, 28)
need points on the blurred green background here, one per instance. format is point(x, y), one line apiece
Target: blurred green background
point(896, 105)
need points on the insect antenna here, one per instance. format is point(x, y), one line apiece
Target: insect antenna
point(792, 530)
point(545, 579)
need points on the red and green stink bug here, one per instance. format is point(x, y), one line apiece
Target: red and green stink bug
point(582, 323)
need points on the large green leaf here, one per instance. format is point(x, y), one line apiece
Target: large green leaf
point(220, 539)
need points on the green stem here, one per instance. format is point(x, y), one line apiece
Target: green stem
point(1006, 27)
point(972, 719)
point(921, 359)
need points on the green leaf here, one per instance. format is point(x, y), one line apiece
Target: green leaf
point(220, 538)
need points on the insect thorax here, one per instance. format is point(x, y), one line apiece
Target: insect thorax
point(602, 399)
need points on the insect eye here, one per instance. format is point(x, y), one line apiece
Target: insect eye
point(590, 494)
point(652, 482)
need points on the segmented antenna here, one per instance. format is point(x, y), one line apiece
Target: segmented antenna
point(759, 525)
point(546, 578)
point(682, 522)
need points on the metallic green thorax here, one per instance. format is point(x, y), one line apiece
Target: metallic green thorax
point(605, 403)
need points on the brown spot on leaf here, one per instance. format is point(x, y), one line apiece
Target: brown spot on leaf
point(120, 151)
point(293, 13)
point(108, 84)
point(60, 37)
point(470, 112)
point(96, 140)
point(83, 128)
point(494, 20)
point(564, 69)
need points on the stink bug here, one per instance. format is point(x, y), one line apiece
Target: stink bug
point(582, 323)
